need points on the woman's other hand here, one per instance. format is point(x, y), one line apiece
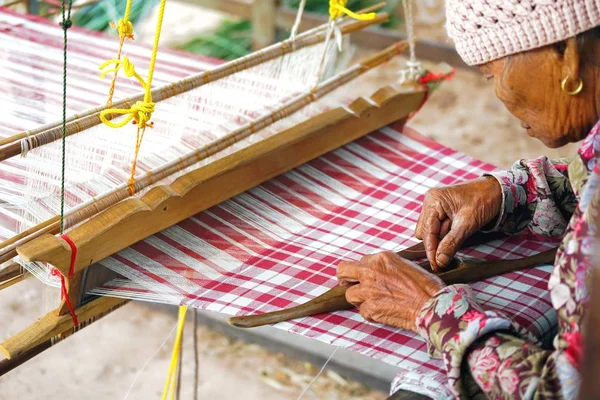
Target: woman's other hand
point(387, 288)
point(451, 214)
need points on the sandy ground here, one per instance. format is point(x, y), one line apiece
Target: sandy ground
point(102, 361)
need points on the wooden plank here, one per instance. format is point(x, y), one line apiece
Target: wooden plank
point(134, 219)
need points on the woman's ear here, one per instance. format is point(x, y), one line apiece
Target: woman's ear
point(571, 58)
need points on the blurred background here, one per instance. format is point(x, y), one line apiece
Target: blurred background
point(102, 361)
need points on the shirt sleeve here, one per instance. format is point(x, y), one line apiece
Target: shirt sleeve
point(487, 355)
point(536, 195)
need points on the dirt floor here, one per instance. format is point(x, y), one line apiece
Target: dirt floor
point(102, 361)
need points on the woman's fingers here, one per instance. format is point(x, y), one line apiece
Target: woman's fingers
point(356, 295)
point(348, 272)
point(445, 228)
point(460, 230)
point(433, 219)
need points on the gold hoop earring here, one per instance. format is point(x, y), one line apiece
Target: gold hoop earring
point(563, 86)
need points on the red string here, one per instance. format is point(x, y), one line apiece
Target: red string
point(65, 296)
point(433, 77)
point(430, 77)
point(73, 247)
point(63, 287)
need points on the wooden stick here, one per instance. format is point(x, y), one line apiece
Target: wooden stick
point(335, 298)
point(79, 122)
point(137, 218)
point(8, 364)
point(11, 271)
point(8, 283)
point(105, 201)
point(11, 275)
point(52, 325)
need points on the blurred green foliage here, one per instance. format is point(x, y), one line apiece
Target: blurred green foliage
point(98, 16)
point(231, 40)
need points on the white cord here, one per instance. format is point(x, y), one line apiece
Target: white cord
point(26, 145)
point(319, 374)
point(413, 70)
point(298, 19)
point(148, 362)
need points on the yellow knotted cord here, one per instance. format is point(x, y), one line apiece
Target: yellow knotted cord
point(337, 8)
point(141, 111)
point(125, 29)
point(171, 380)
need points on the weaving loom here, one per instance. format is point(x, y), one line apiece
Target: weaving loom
point(274, 244)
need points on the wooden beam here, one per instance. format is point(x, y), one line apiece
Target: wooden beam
point(373, 38)
point(135, 219)
point(376, 38)
point(263, 23)
point(52, 325)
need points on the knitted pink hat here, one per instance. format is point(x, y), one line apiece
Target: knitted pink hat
point(485, 30)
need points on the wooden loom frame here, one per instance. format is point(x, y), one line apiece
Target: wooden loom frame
point(272, 16)
point(165, 205)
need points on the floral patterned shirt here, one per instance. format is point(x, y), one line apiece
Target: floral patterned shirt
point(485, 353)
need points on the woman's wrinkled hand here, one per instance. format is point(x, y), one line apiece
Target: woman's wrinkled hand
point(451, 214)
point(387, 288)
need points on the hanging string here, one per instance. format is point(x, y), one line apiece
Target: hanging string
point(141, 112)
point(296, 26)
point(125, 29)
point(413, 70)
point(170, 382)
point(318, 374)
point(196, 361)
point(66, 24)
point(179, 369)
point(148, 361)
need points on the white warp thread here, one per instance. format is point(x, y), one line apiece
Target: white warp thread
point(318, 375)
point(148, 362)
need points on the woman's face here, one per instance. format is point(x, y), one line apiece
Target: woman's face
point(529, 85)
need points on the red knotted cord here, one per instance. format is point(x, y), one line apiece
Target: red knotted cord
point(431, 77)
point(63, 286)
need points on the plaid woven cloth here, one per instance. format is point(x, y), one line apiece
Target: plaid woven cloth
point(278, 244)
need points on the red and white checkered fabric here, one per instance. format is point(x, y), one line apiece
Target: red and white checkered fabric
point(276, 245)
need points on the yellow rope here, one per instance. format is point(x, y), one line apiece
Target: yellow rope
point(125, 29)
point(337, 8)
point(170, 383)
point(127, 66)
point(141, 111)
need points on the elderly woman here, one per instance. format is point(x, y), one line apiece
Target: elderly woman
point(543, 57)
